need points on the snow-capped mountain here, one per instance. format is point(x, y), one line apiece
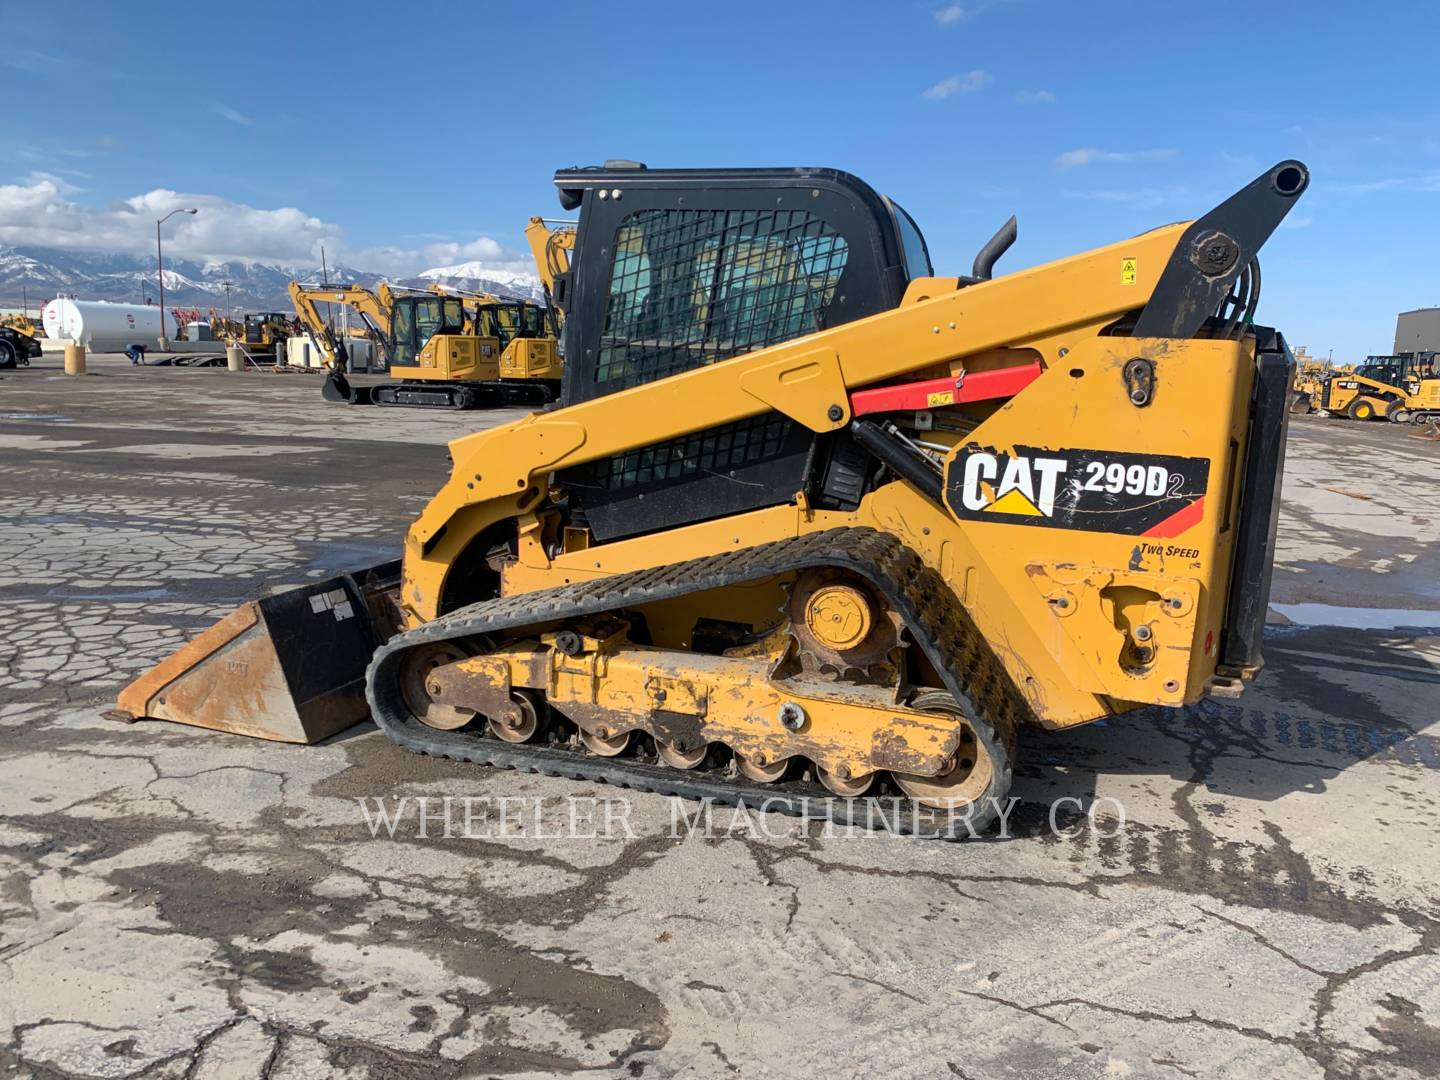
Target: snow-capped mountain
point(35, 275)
point(475, 276)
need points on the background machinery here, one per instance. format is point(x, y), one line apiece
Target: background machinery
point(442, 349)
point(257, 332)
point(552, 243)
point(1310, 378)
point(812, 520)
point(19, 342)
point(1404, 387)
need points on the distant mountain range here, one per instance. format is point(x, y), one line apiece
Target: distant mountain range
point(37, 275)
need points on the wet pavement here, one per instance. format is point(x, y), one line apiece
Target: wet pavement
point(175, 903)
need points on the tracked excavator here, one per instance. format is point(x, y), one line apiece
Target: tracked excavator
point(816, 530)
point(444, 349)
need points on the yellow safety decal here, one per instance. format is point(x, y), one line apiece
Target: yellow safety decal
point(943, 397)
point(1128, 268)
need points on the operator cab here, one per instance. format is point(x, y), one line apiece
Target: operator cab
point(507, 320)
point(676, 269)
point(414, 320)
point(1398, 369)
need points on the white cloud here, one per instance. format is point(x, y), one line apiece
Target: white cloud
point(1429, 182)
point(1141, 197)
point(233, 115)
point(1073, 159)
point(951, 14)
point(958, 84)
point(39, 211)
point(1034, 97)
point(1297, 223)
point(31, 60)
point(483, 248)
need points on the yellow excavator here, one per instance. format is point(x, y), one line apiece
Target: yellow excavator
point(443, 349)
point(816, 529)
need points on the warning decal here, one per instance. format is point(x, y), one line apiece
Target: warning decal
point(1158, 495)
point(1128, 268)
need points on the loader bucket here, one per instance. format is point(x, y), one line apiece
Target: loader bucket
point(288, 667)
point(337, 388)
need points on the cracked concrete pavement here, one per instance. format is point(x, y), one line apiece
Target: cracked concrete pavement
point(176, 903)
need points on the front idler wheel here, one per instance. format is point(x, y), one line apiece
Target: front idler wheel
point(416, 688)
point(970, 772)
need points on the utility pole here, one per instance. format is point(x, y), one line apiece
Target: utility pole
point(160, 267)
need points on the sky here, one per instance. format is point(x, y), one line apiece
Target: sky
point(407, 136)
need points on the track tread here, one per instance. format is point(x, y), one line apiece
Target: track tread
point(940, 625)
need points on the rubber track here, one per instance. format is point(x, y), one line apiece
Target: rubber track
point(496, 393)
point(936, 620)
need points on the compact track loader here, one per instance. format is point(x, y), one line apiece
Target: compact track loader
point(813, 521)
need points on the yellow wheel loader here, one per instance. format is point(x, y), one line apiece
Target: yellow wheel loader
point(815, 529)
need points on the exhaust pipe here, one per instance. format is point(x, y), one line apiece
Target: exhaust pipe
point(996, 246)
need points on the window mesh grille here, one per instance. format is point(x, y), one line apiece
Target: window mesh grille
point(713, 451)
point(690, 287)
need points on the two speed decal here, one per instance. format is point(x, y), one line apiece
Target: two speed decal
point(1093, 490)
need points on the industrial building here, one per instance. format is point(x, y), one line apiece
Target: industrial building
point(1418, 331)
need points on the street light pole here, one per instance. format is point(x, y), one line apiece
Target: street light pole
point(160, 267)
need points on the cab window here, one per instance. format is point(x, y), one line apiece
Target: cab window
point(917, 253)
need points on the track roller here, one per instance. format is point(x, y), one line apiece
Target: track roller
point(521, 727)
point(605, 746)
point(760, 769)
point(679, 755)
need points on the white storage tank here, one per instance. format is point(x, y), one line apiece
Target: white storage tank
point(301, 351)
point(105, 327)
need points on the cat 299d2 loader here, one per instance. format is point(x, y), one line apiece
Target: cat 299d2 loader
point(812, 520)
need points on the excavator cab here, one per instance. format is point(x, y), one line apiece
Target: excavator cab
point(509, 320)
point(415, 320)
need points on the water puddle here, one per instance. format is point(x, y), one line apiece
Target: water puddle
point(118, 595)
point(1359, 618)
point(36, 416)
